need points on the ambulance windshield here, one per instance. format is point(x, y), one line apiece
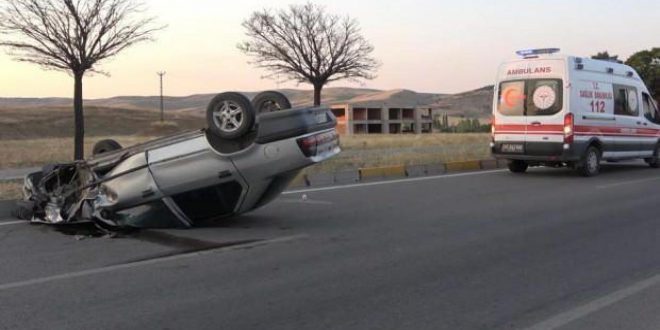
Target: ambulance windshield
point(533, 97)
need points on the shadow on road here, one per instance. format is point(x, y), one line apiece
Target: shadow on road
point(605, 170)
point(90, 230)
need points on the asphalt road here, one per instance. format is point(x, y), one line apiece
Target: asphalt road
point(489, 250)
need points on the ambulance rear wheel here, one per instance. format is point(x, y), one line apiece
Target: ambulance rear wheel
point(654, 162)
point(518, 166)
point(590, 164)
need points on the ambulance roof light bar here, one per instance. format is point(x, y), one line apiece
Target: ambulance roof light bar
point(532, 53)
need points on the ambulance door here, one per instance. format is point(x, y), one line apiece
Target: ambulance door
point(545, 118)
point(509, 115)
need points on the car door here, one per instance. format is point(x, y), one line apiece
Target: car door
point(189, 165)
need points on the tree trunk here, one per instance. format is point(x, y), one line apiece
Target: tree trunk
point(79, 120)
point(317, 94)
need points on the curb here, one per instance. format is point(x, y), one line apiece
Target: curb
point(470, 165)
point(375, 173)
point(367, 174)
point(6, 207)
point(11, 174)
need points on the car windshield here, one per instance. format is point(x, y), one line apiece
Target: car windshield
point(534, 97)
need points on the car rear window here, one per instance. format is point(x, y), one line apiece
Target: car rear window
point(534, 97)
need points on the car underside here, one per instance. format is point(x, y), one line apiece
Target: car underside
point(190, 177)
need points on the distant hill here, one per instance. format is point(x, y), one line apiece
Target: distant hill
point(193, 102)
point(473, 103)
point(477, 103)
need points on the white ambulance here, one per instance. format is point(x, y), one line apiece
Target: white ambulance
point(554, 110)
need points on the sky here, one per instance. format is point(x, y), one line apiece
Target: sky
point(427, 46)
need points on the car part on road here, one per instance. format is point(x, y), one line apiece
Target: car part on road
point(179, 180)
point(104, 146)
point(230, 115)
point(270, 101)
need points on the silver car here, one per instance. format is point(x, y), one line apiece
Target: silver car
point(245, 158)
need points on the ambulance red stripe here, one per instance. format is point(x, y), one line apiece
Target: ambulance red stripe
point(579, 130)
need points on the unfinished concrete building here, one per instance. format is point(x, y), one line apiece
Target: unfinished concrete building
point(382, 120)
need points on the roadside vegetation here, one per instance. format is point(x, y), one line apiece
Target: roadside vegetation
point(388, 150)
point(11, 190)
point(37, 152)
point(358, 151)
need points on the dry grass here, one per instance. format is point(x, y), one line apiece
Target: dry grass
point(37, 152)
point(381, 141)
point(358, 151)
point(11, 190)
point(385, 150)
point(31, 123)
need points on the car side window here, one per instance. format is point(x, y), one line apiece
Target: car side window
point(650, 109)
point(626, 102)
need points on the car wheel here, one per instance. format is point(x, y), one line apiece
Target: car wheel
point(230, 115)
point(104, 146)
point(518, 166)
point(590, 164)
point(270, 101)
point(654, 162)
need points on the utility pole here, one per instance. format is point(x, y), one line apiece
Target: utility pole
point(162, 107)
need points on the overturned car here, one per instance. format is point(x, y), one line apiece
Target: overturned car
point(245, 158)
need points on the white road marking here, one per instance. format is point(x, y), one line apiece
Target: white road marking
point(307, 201)
point(66, 276)
point(12, 223)
point(579, 312)
point(625, 183)
point(379, 183)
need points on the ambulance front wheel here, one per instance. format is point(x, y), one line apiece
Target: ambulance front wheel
point(518, 166)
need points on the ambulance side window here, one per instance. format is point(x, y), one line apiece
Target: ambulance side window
point(625, 101)
point(650, 110)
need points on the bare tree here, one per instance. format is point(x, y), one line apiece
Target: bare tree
point(304, 43)
point(72, 36)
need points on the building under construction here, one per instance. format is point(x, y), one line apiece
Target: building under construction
point(383, 120)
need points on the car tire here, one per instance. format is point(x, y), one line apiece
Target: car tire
point(518, 166)
point(104, 146)
point(590, 163)
point(270, 101)
point(654, 162)
point(230, 115)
